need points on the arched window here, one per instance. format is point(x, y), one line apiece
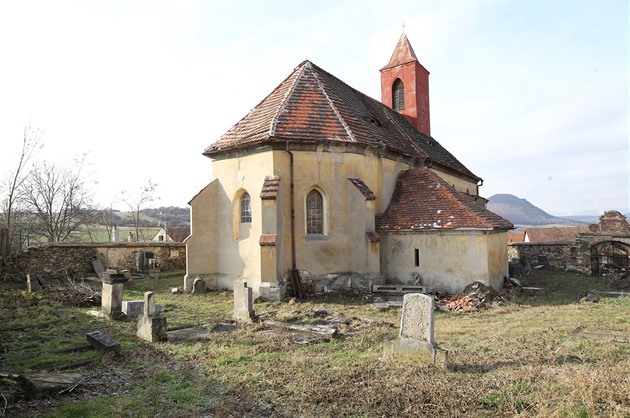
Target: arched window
point(398, 95)
point(314, 213)
point(246, 208)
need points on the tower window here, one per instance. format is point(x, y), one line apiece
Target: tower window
point(314, 213)
point(416, 257)
point(246, 208)
point(398, 95)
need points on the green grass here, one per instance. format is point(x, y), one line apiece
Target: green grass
point(523, 358)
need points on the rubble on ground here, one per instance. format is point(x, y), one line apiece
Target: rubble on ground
point(474, 297)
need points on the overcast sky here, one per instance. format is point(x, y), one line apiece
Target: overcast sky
point(531, 96)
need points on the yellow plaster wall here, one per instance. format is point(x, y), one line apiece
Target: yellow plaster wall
point(497, 258)
point(344, 247)
point(449, 260)
point(230, 250)
point(460, 184)
point(202, 242)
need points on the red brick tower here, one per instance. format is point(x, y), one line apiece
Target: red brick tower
point(405, 86)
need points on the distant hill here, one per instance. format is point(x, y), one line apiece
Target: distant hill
point(521, 212)
point(171, 216)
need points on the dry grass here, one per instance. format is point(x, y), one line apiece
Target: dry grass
point(536, 356)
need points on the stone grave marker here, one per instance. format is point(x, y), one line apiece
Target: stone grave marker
point(415, 340)
point(151, 325)
point(243, 302)
point(133, 308)
point(199, 286)
point(112, 295)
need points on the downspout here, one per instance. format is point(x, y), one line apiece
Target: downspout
point(291, 170)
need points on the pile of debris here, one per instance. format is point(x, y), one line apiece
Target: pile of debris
point(475, 296)
point(75, 295)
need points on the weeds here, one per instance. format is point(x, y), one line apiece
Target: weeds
point(531, 357)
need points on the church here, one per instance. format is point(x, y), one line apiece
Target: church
point(320, 187)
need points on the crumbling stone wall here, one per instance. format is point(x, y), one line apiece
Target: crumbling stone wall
point(60, 261)
point(561, 255)
point(53, 262)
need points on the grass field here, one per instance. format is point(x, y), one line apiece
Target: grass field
point(547, 354)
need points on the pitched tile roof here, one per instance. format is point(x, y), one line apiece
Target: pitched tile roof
point(312, 106)
point(515, 237)
point(178, 233)
point(363, 188)
point(270, 187)
point(422, 200)
point(554, 233)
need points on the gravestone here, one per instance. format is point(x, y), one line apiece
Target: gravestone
point(416, 340)
point(133, 308)
point(151, 325)
point(243, 302)
point(98, 267)
point(199, 286)
point(112, 295)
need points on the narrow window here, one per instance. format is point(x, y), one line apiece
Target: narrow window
point(314, 213)
point(246, 208)
point(417, 257)
point(398, 95)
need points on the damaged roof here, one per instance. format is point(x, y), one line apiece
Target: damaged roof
point(422, 200)
point(313, 106)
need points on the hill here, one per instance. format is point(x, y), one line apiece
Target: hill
point(170, 216)
point(521, 212)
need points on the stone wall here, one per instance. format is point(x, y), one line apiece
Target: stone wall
point(60, 261)
point(561, 255)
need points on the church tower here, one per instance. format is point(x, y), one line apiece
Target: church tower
point(405, 86)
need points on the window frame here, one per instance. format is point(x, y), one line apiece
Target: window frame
point(398, 95)
point(245, 208)
point(322, 232)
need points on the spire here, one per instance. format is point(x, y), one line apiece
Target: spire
point(403, 53)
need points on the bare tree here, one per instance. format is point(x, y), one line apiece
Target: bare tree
point(137, 201)
point(13, 182)
point(59, 200)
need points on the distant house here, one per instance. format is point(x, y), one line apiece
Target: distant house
point(515, 236)
point(554, 234)
point(171, 234)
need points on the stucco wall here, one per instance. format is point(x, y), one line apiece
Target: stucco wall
point(448, 260)
point(222, 250)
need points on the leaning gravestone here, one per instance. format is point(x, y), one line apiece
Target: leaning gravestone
point(415, 340)
point(243, 302)
point(151, 325)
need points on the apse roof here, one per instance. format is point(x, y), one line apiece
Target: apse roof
point(422, 200)
point(313, 106)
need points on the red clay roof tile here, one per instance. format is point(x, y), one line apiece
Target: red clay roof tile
point(267, 240)
point(422, 200)
point(313, 106)
point(270, 187)
point(554, 233)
